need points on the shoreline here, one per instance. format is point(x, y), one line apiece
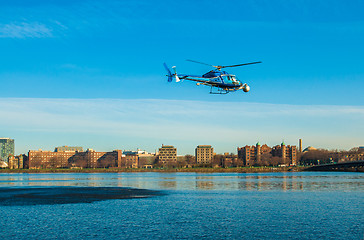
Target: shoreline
point(174, 170)
point(170, 170)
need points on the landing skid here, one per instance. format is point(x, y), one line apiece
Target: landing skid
point(219, 91)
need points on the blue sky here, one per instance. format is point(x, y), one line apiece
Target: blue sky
point(98, 53)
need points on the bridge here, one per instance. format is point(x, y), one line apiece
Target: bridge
point(357, 166)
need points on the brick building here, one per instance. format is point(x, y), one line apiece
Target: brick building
point(287, 153)
point(250, 155)
point(92, 157)
point(63, 159)
point(137, 159)
point(254, 155)
point(16, 162)
point(131, 160)
point(48, 159)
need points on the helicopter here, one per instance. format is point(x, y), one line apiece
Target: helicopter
point(220, 82)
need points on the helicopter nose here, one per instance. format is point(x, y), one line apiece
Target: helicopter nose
point(246, 88)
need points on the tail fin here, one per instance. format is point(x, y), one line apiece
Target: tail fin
point(175, 74)
point(170, 75)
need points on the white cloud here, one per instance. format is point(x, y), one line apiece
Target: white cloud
point(130, 122)
point(25, 30)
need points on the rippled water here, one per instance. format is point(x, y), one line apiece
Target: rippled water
point(210, 206)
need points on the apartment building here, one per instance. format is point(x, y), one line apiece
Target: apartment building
point(167, 154)
point(204, 154)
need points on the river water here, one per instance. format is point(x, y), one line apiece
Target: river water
point(300, 205)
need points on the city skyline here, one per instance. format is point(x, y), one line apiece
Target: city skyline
point(90, 73)
point(108, 124)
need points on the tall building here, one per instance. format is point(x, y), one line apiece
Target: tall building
point(167, 154)
point(204, 154)
point(6, 148)
point(250, 155)
point(287, 153)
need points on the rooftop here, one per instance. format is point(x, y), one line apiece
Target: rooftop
point(167, 146)
point(309, 148)
point(204, 146)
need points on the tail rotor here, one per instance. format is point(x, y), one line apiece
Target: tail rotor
point(170, 75)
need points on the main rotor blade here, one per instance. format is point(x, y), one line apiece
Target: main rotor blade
point(237, 65)
point(200, 62)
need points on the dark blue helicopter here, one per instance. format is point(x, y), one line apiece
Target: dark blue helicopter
point(223, 81)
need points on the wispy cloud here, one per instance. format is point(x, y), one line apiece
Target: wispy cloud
point(25, 30)
point(136, 122)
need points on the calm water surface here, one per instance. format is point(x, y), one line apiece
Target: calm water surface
point(207, 206)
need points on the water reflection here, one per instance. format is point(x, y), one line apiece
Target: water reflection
point(195, 181)
point(288, 183)
point(204, 182)
point(167, 182)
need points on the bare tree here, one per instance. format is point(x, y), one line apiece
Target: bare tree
point(275, 161)
point(238, 162)
point(191, 160)
point(218, 160)
point(53, 162)
point(315, 157)
point(78, 160)
point(107, 161)
point(36, 161)
point(181, 162)
point(170, 164)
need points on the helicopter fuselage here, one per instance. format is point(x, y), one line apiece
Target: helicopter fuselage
point(216, 78)
point(223, 81)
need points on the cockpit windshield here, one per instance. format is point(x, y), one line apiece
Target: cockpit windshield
point(230, 79)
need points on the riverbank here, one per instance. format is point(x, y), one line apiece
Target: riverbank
point(197, 170)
